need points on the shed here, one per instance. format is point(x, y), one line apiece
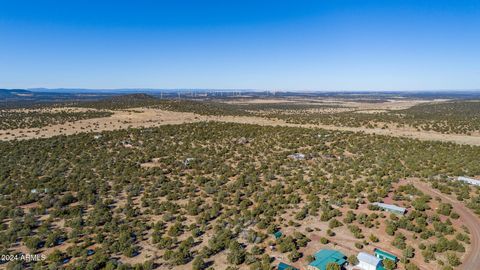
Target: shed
point(325, 256)
point(391, 208)
point(469, 180)
point(297, 156)
point(277, 234)
point(284, 266)
point(385, 255)
point(369, 262)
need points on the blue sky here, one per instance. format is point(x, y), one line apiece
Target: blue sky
point(291, 45)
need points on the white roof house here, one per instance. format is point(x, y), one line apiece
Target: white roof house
point(297, 156)
point(368, 262)
point(469, 180)
point(391, 207)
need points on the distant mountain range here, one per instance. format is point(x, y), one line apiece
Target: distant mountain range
point(135, 90)
point(4, 93)
point(16, 97)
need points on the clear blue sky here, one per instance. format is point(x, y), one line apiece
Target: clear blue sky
point(315, 45)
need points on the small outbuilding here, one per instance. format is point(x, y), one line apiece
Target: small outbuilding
point(391, 208)
point(297, 156)
point(284, 266)
point(369, 262)
point(188, 161)
point(277, 234)
point(382, 255)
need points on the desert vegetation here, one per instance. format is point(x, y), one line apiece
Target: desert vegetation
point(459, 117)
point(449, 117)
point(211, 195)
point(13, 119)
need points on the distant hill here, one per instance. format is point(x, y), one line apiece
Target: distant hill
point(12, 93)
point(123, 101)
point(12, 98)
point(131, 97)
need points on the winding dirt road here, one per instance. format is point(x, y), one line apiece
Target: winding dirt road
point(471, 259)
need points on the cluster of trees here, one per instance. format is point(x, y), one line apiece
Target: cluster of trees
point(12, 119)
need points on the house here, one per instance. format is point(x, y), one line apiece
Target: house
point(391, 208)
point(127, 144)
point(325, 256)
point(369, 262)
point(188, 161)
point(469, 180)
point(297, 156)
point(284, 266)
point(385, 255)
point(277, 234)
point(34, 190)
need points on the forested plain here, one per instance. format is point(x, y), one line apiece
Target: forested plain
point(13, 119)
point(196, 192)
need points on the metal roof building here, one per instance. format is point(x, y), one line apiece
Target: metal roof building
point(369, 262)
point(385, 255)
point(284, 266)
point(469, 180)
point(391, 208)
point(297, 156)
point(325, 256)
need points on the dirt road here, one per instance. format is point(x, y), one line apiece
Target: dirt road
point(471, 259)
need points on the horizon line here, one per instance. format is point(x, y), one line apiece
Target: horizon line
point(139, 89)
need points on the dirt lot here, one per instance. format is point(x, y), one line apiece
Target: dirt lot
point(388, 105)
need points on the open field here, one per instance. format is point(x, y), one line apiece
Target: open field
point(149, 117)
point(387, 104)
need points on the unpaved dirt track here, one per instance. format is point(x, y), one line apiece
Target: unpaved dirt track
point(471, 259)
